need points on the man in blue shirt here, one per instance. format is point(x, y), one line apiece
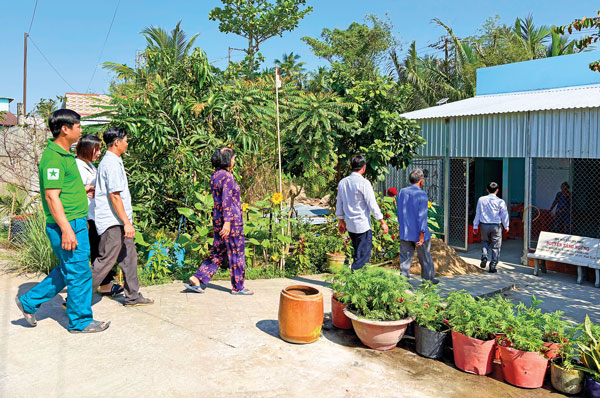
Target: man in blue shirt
point(355, 201)
point(491, 213)
point(413, 204)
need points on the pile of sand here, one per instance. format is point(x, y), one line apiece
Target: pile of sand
point(445, 259)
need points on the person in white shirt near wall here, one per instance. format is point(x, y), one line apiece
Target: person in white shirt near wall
point(492, 215)
point(355, 203)
point(88, 151)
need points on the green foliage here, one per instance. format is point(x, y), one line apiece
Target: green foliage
point(568, 355)
point(589, 347)
point(587, 40)
point(22, 202)
point(375, 293)
point(35, 252)
point(159, 265)
point(525, 329)
point(479, 319)
point(258, 21)
point(427, 307)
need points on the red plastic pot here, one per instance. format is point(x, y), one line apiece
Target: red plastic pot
point(552, 350)
point(522, 368)
point(338, 318)
point(500, 341)
point(473, 355)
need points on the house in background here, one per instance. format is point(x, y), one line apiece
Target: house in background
point(7, 119)
point(87, 105)
point(532, 127)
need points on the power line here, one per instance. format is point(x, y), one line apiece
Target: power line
point(50, 63)
point(33, 16)
point(103, 45)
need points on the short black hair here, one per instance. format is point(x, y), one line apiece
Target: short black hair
point(415, 176)
point(87, 145)
point(222, 157)
point(112, 134)
point(357, 162)
point(492, 187)
point(60, 118)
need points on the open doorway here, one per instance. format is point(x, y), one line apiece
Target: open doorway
point(509, 174)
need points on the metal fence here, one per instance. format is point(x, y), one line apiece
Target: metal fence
point(565, 197)
point(458, 203)
point(433, 169)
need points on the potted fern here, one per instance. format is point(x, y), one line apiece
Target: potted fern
point(377, 307)
point(589, 347)
point(431, 325)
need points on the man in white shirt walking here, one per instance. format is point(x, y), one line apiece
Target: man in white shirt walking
point(355, 201)
point(492, 214)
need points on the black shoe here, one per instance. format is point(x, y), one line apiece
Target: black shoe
point(434, 281)
point(483, 263)
point(493, 270)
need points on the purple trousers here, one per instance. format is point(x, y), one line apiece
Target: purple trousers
point(234, 248)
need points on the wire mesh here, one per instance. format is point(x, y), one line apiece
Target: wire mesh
point(457, 225)
point(564, 197)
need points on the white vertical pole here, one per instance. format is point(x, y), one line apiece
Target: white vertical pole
point(277, 85)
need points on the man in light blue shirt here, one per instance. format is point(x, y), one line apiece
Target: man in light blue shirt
point(491, 213)
point(413, 205)
point(355, 201)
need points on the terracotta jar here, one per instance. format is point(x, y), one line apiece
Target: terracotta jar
point(300, 314)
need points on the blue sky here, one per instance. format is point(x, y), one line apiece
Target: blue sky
point(71, 33)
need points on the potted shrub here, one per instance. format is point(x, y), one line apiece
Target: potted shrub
point(563, 373)
point(338, 287)
point(589, 347)
point(377, 306)
point(472, 322)
point(523, 363)
point(336, 255)
point(431, 326)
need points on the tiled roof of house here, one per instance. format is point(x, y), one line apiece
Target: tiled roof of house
point(8, 119)
point(86, 104)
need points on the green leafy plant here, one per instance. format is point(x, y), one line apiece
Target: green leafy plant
point(589, 346)
point(163, 259)
point(568, 355)
point(427, 307)
point(480, 319)
point(526, 328)
point(376, 293)
point(35, 252)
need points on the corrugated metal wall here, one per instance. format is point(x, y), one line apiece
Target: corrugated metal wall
point(572, 133)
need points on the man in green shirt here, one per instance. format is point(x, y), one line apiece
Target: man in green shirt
point(65, 203)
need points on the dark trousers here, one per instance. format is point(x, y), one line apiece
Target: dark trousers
point(362, 244)
point(94, 254)
point(491, 239)
point(114, 247)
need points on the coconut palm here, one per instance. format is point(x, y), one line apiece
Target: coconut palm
point(533, 37)
point(289, 65)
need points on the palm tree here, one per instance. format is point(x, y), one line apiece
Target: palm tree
point(533, 37)
point(560, 45)
point(175, 44)
point(290, 66)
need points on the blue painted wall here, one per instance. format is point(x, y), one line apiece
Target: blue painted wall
point(539, 74)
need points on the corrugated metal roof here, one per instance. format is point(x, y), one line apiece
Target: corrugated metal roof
point(86, 104)
point(526, 101)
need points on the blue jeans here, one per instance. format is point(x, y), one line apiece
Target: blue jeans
point(72, 271)
point(362, 244)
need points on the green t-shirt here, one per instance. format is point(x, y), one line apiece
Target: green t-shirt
point(58, 169)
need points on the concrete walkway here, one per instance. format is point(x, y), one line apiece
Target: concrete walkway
point(211, 345)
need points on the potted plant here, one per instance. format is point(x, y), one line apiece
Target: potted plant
point(563, 373)
point(338, 287)
point(377, 306)
point(589, 347)
point(472, 322)
point(431, 326)
point(336, 255)
point(523, 363)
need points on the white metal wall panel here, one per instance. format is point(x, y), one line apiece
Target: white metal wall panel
point(433, 130)
point(571, 133)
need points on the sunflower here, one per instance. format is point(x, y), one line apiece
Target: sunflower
point(277, 198)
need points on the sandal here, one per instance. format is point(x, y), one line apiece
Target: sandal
point(193, 288)
point(93, 327)
point(114, 290)
point(244, 292)
point(30, 318)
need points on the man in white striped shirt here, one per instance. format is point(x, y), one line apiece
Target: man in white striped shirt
point(492, 214)
point(355, 201)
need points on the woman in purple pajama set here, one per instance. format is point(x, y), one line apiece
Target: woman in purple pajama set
point(228, 227)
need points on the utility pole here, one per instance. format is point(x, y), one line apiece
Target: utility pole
point(25, 74)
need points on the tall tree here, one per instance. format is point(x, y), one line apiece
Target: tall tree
point(258, 21)
point(533, 37)
point(289, 65)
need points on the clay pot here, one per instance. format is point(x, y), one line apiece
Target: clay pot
point(551, 350)
point(430, 343)
point(338, 318)
point(566, 381)
point(300, 314)
point(522, 368)
point(591, 388)
point(379, 335)
point(335, 262)
point(473, 355)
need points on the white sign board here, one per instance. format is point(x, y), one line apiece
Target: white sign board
point(569, 249)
